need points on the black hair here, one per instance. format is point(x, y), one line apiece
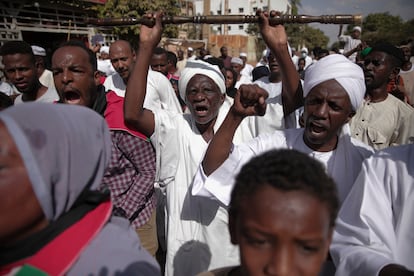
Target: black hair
point(17, 47)
point(172, 58)
point(77, 43)
point(396, 53)
point(286, 170)
point(234, 73)
point(215, 61)
point(160, 51)
point(259, 72)
point(5, 101)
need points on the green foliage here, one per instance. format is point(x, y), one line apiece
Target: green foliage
point(385, 27)
point(305, 35)
point(135, 9)
point(296, 4)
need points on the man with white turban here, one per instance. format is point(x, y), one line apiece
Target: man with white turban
point(196, 227)
point(333, 89)
point(351, 41)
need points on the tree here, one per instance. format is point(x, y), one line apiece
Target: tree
point(385, 27)
point(135, 9)
point(296, 4)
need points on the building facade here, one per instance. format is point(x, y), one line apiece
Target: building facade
point(237, 7)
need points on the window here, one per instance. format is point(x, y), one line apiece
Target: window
point(229, 11)
point(229, 27)
point(240, 27)
point(255, 9)
point(219, 12)
point(241, 10)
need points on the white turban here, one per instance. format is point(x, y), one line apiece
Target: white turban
point(349, 75)
point(194, 67)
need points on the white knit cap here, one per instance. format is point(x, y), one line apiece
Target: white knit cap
point(349, 75)
point(38, 51)
point(237, 60)
point(104, 49)
point(357, 28)
point(194, 67)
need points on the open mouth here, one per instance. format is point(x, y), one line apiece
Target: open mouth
point(201, 110)
point(317, 128)
point(72, 97)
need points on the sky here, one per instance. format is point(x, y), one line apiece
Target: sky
point(403, 8)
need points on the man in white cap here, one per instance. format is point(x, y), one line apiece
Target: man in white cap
point(351, 41)
point(104, 62)
point(237, 65)
point(247, 68)
point(304, 53)
point(45, 75)
point(190, 54)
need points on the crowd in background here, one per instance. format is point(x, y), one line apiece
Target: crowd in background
point(184, 163)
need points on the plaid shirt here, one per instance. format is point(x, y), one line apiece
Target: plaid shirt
point(130, 177)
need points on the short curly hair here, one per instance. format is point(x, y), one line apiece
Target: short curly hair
point(286, 170)
point(17, 47)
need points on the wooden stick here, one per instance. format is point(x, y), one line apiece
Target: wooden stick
point(231, 19)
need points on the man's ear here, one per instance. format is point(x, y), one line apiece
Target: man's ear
point(97, 78)
point(233, 229)
point(350, 115)
point(222, 97)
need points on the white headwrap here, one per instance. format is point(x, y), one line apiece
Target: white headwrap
point(349, 75)
point(237, 60)
point(194, 67)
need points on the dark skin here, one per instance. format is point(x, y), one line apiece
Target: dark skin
point(250, 101)
point(159, 63)
point(281, 233)
point(378, 70)
point(395, 270)
point(276, 39)
point(21, 71)
point(20, 210)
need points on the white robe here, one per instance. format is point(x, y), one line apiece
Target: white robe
point(197, 227)
point(375, 225)
point(343, 163)
point(160, 93)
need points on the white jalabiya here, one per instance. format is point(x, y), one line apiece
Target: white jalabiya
point(376, 222)
point(196, 227)
point(160, 93)
point(343, 163)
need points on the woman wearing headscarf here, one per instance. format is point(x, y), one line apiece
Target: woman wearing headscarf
point(54, 220)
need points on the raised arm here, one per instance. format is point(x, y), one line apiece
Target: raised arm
point(135, 115)
point(249, 100)
point(276, 40)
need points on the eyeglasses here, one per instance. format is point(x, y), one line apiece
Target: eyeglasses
point(375, 62)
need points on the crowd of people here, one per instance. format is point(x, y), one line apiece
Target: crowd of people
point(124, 161)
